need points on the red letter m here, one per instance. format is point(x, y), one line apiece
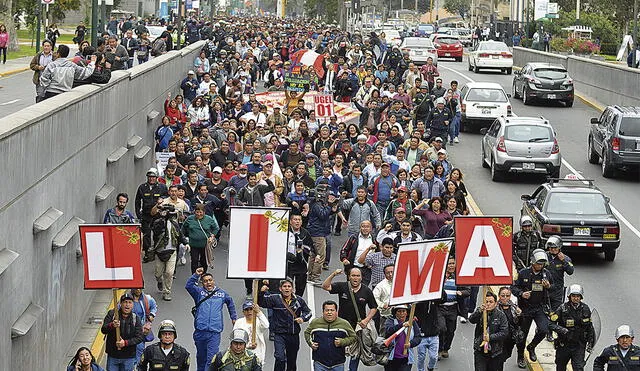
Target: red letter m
point(408, 266)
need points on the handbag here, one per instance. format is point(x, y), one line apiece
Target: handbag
point(212, 243)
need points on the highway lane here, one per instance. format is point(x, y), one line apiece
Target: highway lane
point(608, 286)
point(18, 92)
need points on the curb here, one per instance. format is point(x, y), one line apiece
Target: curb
point(592, 103)
point(13, 72)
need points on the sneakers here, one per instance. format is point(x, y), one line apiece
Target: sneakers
point(456, 140)
point(532, 353)
point(160, 286)
point(445, 354)
point(521, 362)
point(183, 260)
point(166, 296)
point(463, 320)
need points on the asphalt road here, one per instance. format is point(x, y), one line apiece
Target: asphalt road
point(609, 287)
point(18, 92)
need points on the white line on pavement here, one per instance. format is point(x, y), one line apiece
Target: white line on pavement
point(573, 170)
point(311, 303)
point(9, 102)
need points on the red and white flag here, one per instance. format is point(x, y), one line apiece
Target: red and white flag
point(258, 242)
point(308, 58)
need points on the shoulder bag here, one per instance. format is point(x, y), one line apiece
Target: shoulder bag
point(194, 309)
point(212, 243)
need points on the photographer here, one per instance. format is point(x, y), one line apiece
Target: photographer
point(321, 205)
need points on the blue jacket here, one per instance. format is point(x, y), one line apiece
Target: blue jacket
point(282, 322)
point(319, 224)
point(209, 313)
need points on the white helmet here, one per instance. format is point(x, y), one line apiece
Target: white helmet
point(553, 242)
point(576, 289)
point(167, 325)
point(624, 330)
point(239, 336)
point(526, 221)
point(538, 256)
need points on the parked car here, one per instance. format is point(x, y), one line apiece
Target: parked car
point(543, 81)
point(419, 49)
point(520, 145)
point(155, 32)
point(614, 137)
point(491, 55)
point(578, 212)
point(448, 46)
point(482, 103)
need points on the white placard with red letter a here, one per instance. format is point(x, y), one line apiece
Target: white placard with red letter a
point(258, 238)
point(111, 256)
point(323, 105)
point(484, 250)
point(419, 271)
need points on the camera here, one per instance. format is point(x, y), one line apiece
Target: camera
point(167, 210)
point(319, 194)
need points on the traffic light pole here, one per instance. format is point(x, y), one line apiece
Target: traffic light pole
point(94, 23)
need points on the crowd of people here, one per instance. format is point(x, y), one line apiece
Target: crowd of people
point(384, 179)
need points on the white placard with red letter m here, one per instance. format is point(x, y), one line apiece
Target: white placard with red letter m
point(484, 250)
point(419, 271)
point(258, 238)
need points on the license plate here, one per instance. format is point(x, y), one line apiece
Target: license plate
point(582, 231)
point(418, 52)
point(637, 146)
point(495, 56)
point(609, 236)
point(551, 96)
point(528, 166)
point(486, 111)
point(447, 54)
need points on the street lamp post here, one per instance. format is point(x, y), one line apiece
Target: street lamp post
point(635, 32)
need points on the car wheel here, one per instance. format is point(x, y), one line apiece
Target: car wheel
point(484, 162)
point(569, 103)
point(515, 91)
point(555, 173)
point(476, 69)
point(610, 255)
point(470, 68)
point(607, 168)
point(525, 100)
point(496, 175)
point(509, 70)
point(592, 155)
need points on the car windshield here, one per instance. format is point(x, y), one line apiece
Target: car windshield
point(447, 40)
point(630, 126)
point(486, 95)
point(550, 73)
point(391, 34)
point(493, 47)
point(528, 133)
point(426, 27)
point(577, 204)
point(418, 43)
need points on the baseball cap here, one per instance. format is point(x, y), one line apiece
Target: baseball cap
point(385, 164)
point(438, 139)
point(126, 296)
point(247, 305)
point(239, 336)
point(399, 210)
point(242, 167)
point(442, 150)
point(311, 155)
point(402, 188)
point(217, 169)
point(191, 72)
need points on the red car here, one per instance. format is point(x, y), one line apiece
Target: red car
point(448, 46)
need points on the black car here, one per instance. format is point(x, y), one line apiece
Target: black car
point(614, 137)
point(543, 81)
point(577, 211)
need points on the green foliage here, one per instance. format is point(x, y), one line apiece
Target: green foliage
point(458, 7)
point(609, 48)
point(57, 10)
point(558, 44)
point(601, 25)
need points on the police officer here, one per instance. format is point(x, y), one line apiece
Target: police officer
point(439, 119)
point(237, 357)
point(532, 290)
point(422, 103)
point(572, 323)
point(525, 241)
point(166, 354)
point(621, 356)
point(146, 198)
point(559, 264)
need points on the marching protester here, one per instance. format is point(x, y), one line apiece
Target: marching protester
point(84, 360)
point(145, 307)
point(121, 352)
point(237, 357)
point(488, 344)
point(513, 314)
point(253, 313)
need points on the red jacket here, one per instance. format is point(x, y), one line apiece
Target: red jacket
point(174, 114)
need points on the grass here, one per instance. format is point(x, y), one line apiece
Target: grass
point(25, 35)
point(23, 51)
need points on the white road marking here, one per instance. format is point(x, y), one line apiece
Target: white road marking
point(9, 102)
point(617, 213)
point(311, 303)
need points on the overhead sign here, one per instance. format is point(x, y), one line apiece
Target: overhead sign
point(419, 271)
point(483, 250)
point(258, 240)
point(552, 8)
point(111, 256)
point(540, 9)
point(323, 105)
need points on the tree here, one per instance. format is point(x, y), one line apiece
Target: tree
point(7, 19)
point(461, 7)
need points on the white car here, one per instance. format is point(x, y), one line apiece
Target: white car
point(419, 49)
point(155, 32)
point(392, 36)
point(482, 103)
point(491, 55)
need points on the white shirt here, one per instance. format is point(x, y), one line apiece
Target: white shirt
point(260, 118)
point(370, 171)
point(363, 244)
point(382, 293)
point(261, 327)
point(204, 87)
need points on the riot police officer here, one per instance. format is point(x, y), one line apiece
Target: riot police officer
point(572, 323)
point(532, 290)
point(237, 357)
point(621, 356)
point(146, 198)
point(166, 354)
point(525, 241)
point(559, 264)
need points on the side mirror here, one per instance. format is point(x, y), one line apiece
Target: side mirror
point(508, 95)
point(483, 131)
point(594, 120)
point(525, 197)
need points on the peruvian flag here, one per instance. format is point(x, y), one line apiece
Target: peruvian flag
point(258, 242)
point(308, 58)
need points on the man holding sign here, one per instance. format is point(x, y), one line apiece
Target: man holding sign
point(489, 335)
point(124, 333)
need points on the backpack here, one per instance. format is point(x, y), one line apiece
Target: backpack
point(156, 47)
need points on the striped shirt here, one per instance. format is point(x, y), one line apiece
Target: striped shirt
point(450, 289)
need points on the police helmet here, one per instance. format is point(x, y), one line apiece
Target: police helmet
point(526, 221)
point(167, 325)
point(576, 289)
point(624, 330)
point(553, 242)
point(239, 336)
point(538, 256)
point(424, 85)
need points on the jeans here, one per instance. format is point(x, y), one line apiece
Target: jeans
point(320, 367)
point(207, 345)
point(130, 62)
point(428, 344)
point(142, 60)
point(286, 352)
point(454, 127)
point(121, 364)
point(353, 364)
point(382, 207)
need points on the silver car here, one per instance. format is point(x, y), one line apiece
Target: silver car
point(419, 49)
point(520, 145)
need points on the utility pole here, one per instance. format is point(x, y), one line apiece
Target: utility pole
point(94, 23)
point(577, 11)
point(39, 20)
point(179, 23)
point(635, 32)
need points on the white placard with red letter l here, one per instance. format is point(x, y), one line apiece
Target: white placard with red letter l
point(419, 271)
point(258, 238)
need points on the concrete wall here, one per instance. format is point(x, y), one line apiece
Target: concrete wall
point(56, 156)
point(607, 83)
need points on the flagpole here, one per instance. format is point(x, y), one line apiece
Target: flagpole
point(255, 315)
point(406, 341)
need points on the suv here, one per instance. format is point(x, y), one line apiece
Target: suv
point(577, 211)
point(520, 145)
point(614, 137)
